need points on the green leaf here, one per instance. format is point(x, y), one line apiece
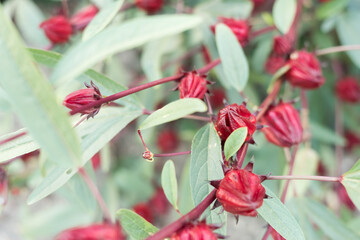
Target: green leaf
point(173, 111)
point(327, 221)
point(186, 203)
point(95, 133)
point(134, 225)
point(34, 100)
point(330, 8)
point(102, 19)
point(325, 135)
point(205, 165)
point(232, 56)
point(280, 218)
point(234, 142)
point(169, 183)
point(277, 75)
point(347, 29)
point(130, 34)
point(351, 182)
point(284, 13)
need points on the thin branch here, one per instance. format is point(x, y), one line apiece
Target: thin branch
point(291, 168)
point(313, 178)
point(171, 154)
point(336, 49)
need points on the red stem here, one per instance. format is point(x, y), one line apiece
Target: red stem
point(291, 168)
point(314, 178)
point(171, 154)
point(12, 138)
point(209, 66)
point(241, 155)
point(262, 31)
point(192, 215)
point(269, 99)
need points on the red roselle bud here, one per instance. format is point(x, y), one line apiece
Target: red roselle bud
point(193, 85)
point(348, 90)
point(283, 44)
point(199, 231)
point(305, 70)
point(241, 192)
point(275, 235)
point(233, 117)
point(96, 161)
point(240, 28)
point(93, 232)
point(57, 29)
point(274, 63)
point(159, 203)
point(168, 140)
point(3, 187)
point(144, 210)
point(83, 97)
point(352, 140)
point(150, 6)
point(83, 17)
point(282, 125)
point(344, 197)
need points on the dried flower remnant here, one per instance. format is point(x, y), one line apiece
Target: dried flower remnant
point(193, 85)
point(57, 29)
point(93, 232)
point(83, 17)
point(240, 28)
point(150, 6)
point(348, 90)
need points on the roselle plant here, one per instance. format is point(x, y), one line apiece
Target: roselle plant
point(251, 106)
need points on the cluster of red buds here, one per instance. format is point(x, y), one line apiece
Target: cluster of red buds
point(168, 141)
point(83, 97)
point(59, 29)
point(150, 6)
point(348, 90)
point(200, 231)
point(94, 232)
point(193, 85)
point(240, 28)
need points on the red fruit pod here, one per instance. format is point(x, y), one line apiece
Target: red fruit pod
point(83, 17)
point(193, 85)
point(274, 63)
point(57, 29)
point(240, 28)
point(168, 140)
point(241, 192)
point(93, 232)
point(159, 202)
point(144, 210)
point(3, 187)
point(282, 125)
point(348, 90)
point(233, 117)
point(305, 70)
point(283, 45)
point(83, 97)
point(199, 231)
point(150, 6)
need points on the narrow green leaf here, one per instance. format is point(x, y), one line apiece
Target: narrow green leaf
point(325, 135)
point(280, 218)
point(102, 19)
point(351, 182)
point(173, 111)
point(330, 8)
point(95, 133)
point(232, 56)
point(277, 75)
point(130, 34)
point(327, 221)
point(134, 225)
point(284, 13)
point(205, 165)
point(169, 183)
point(234, 142)
point(34, 100)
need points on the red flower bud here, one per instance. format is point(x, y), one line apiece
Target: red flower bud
point(144, 210)
point(3, 187)
point(283, 44)
point(240, 28)
point(217, 98)
point(233, 117)
point(96, 161)
point(275, 235)
point(83, 17)
point(274, 63)
point(93, 232)
point(305, 70)
point(200, 231)
point(348, 90)
point(241, 192)
point(150, 6)
point(193, 85)
point(159, 202)
point(282, 125)
point(352, 140)
point(168, 140)
point(344, 197)
point(83, 97)
point(57, 29)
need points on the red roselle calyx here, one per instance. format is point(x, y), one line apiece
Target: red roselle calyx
point(199, 231)
point(241, 192)
point(348, 90)
point(57, 29)
point(193, 85)
point(144, 210)
point(83, 97)
point(3, 187)
point(159, 203)
point(233, 117)
point(305, 70)
point(240, 28)
point(93, 232)
point(150, 6)
point(274, 63)
point(352, 140)
point(168, 140)
point(282, 125)
point(283, 44)
point(83, 17)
